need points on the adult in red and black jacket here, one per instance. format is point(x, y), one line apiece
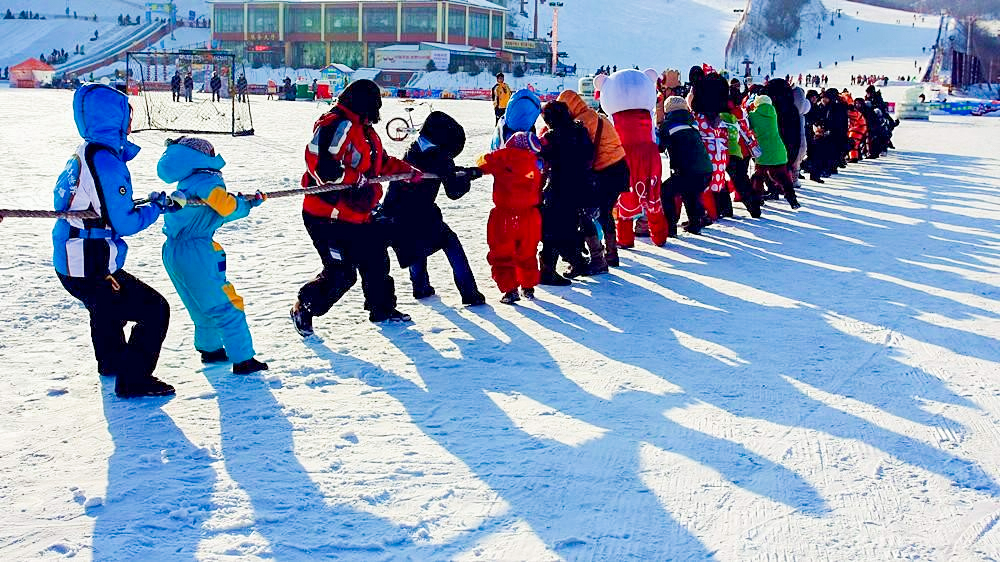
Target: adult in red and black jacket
point(346, 149)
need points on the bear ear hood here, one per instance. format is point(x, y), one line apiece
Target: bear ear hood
point(628, 89)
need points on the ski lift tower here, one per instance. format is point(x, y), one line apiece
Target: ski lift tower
point(747, 63)
point(555, 35)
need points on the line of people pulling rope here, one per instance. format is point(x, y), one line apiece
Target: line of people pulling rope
point(577, 188)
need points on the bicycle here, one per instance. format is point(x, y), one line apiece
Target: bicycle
point(398, 128)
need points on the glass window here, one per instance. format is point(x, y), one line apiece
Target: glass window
point(341, 20)
point(380, 20)
point(302, 20)
point(372, 45)
point(479, 25)
point(346, 52)
point(229, 20)
point(456, 24)
point(309, 54)
point(262, 20)
point(498, 25)
point(419, 20)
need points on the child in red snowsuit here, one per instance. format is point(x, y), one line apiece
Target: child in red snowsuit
point(515, 225)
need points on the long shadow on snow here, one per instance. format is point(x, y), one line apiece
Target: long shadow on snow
point(159, 489)
point(596, 504)
point(290, 511)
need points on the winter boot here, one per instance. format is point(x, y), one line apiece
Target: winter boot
point(510, 297)
point(598, 262)
point(149, 386)
point(611, 250)
point(387, 316)
point(642, 227)
point(217, 356)
point(249, 366)
point(724, 203)
point(302, 319)
point(422, 292)
point(474, 299)
point(548, 270)
point(529, 293)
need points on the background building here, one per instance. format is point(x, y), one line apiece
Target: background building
point(314, 34)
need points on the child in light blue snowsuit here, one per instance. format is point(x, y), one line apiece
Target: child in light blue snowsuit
point(196, 263)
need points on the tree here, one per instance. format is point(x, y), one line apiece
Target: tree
point(518, 71)
point(452, 68)
point(431, 67)
point(476, 70)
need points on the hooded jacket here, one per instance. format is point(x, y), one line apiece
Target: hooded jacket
point(609, 148)
point(198, 175)
point(764, 122)
point(680, 138)
point(523, 110)
point(97, 178)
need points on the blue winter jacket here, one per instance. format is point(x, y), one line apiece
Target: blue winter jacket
point(523, 110)
point(198, 175)
point(102, 117)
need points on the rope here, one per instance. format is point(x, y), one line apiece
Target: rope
point(324, 188)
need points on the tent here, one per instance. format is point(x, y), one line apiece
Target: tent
point(31, 73)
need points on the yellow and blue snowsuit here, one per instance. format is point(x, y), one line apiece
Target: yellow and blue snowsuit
point(197, 264)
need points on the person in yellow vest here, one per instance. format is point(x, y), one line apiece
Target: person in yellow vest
point(501, 95)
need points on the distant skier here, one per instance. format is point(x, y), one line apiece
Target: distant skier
point(188, 87)
point(501, 96)
point(241, 88)
point(175, 87)
point(216, 84)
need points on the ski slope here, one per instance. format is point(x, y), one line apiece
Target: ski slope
point(813, 385)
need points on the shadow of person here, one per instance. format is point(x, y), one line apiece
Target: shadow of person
point(583, 496)
point(750, 359)
point(160, 485)
point(289, 509)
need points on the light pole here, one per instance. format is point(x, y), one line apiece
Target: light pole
point(800, 46)
point(819, 31)
point(555, 35)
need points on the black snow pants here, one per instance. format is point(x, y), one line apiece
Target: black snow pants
point(113, 301)
point(346, 250)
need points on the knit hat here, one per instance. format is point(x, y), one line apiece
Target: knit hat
point(364, 98)
point(524, 141)
point(671, 78)
point(674, 103)
point(761, 100)
point(201, 145)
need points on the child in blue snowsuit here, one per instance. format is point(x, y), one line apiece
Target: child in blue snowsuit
point(197, 264)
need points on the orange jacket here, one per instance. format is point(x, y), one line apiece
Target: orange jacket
point(517, 179)
point(609, 149)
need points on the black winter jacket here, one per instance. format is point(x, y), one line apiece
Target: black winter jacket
point(568, 154)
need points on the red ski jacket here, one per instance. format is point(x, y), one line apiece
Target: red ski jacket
point(517, 180)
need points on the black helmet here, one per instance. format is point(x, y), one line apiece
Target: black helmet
point(446, 133)
point(363, 97)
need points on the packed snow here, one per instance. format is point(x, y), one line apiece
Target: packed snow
point(813, 385)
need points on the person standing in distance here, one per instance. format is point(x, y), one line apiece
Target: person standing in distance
point(89, 254)
point(501, 96)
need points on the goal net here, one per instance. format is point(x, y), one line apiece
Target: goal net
point(199, 109)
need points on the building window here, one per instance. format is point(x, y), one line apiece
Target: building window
point(420, 20)
point(302, 20)
point(262, 20)
point(228, 20)
point(380, 20)
point(346, 52)
point(498, 25)
point(456, 25)
point(342, 20)
point(309, 54)
point(372, 45)
point(479, 25)
point(238, 48)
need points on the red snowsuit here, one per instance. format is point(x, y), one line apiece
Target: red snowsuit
point(857, 131)
point(716, 141)
point(635, 128)
point(514, 228)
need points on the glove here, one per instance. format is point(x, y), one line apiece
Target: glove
point(472, 173)
point(168, 203)
point(256, 199)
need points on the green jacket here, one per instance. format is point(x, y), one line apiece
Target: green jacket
point(764, 122)
point(734, 134)
point(679, 136)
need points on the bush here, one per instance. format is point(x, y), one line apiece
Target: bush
point(476, 70)
point(431, 67)
point(518, 71)
point(452, 68)
point(496, 68)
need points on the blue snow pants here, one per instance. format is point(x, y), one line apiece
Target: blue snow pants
point(197, 267)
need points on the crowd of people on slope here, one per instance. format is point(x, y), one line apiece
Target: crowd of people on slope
point(582, 185)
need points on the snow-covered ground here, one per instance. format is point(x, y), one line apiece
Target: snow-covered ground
point(814, 385)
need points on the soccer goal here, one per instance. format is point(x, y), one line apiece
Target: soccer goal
point(194, 106)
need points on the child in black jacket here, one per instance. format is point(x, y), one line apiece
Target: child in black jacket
point(417, 227)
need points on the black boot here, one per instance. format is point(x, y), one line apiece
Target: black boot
point(217, 356)
point(387, 316)
point(302, 319)
point(249, 366)
point(150, 386)
point(548, 269)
